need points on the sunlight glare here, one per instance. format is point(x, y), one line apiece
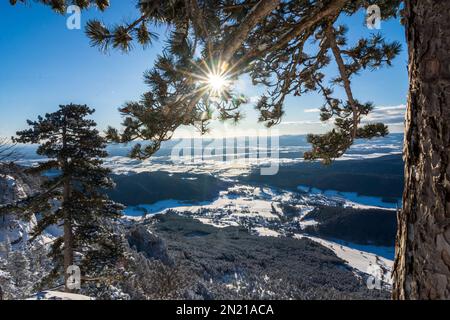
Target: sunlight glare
point(217, 82)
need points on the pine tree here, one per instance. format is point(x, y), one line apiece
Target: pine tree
point(265, 39)
point(60, 6)
point(18, 267)
point(74, 148)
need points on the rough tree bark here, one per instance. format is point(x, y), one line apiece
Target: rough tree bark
point(68, 232)
point(422, 266)
point(68, 235)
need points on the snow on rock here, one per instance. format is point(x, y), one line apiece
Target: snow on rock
point(146, 242)
point(4, 274)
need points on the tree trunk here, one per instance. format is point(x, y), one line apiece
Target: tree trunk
point(68, 235)
point(68, 232)
point(422, 266)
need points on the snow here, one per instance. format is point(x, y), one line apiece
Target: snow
point(308, 223)
point(263, 206)
point(222, 224)
point(12, 184)
point(157, 207)
point(351, 199)
point(123, 165)
point(266, 232)
point(236, 206)
point(362, 261)
point(356, 156)
point(56, 295)
point(4, 274)
point(10, 181)
point(382, 251)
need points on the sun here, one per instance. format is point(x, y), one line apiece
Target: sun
point(217, 83)
point(214, 79)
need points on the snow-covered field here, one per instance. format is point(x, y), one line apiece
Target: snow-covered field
point(363, 261)
point(352, 197)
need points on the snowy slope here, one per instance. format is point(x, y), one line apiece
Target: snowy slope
point(56, 295)
point(362, 261)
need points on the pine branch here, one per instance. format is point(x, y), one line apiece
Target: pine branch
point(344, 76)
point(257, 13)
point(320, 14)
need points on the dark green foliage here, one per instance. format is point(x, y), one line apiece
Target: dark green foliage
point(381, 177)
point(60, 6)
point(362, 226)
point(77, 194)
point(141, 188)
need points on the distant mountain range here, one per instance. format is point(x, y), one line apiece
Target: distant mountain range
point(289, 147)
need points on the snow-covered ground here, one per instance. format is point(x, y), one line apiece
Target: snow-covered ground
point(352, 198)
point(365, 262)
point(289, 151)
point(57, 295)
point(260, 209)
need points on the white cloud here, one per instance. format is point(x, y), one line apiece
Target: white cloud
point(393, 116)
point(253, 99)
point(390, 115)
point(313, 110)
point(314, 122)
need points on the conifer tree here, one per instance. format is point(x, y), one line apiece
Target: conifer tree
point(61, 6)
point(18, 267)
point(74, 148)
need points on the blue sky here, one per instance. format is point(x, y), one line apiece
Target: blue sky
point(44, 64)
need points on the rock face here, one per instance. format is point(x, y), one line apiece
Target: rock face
point(149, 244)
point(15, 184)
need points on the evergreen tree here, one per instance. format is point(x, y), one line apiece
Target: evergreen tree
point(60, 6)
point(18, 267)
point(74, 148)
point(265, 39)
